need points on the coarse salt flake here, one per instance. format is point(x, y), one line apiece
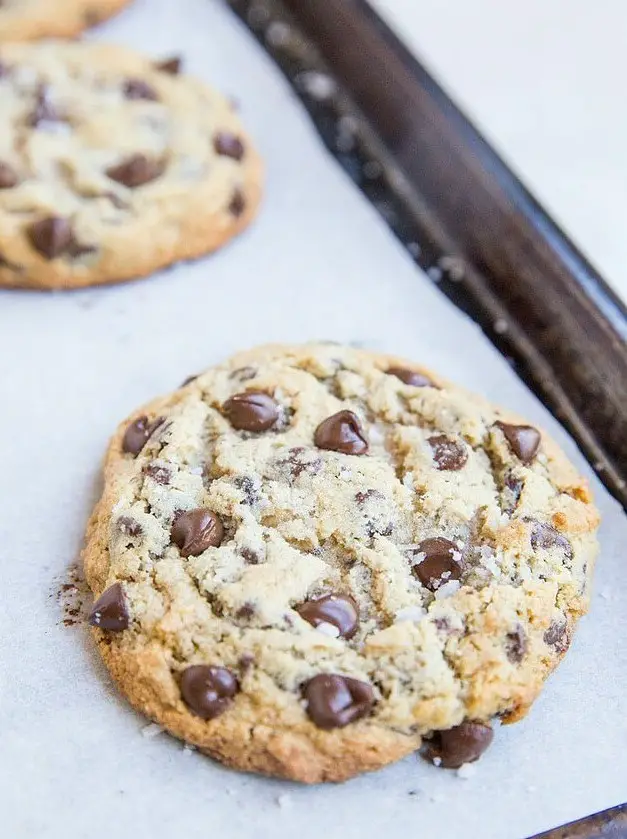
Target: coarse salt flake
point(448, 589)
point(151, 730)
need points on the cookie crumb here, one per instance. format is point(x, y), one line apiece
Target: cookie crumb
point(283, 801)
point(151, 730)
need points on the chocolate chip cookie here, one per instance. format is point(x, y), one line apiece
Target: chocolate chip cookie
point(24, 20)
point(112, 166)
point(310, 561)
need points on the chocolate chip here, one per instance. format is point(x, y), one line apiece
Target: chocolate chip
point(449, 455)
point(196, 530)
point(516, 645)
point(369, 495)
point(251, 557)
point(249, 488)
point(171, 65)
point(524, 440)
point(44, 111)
point(110, 610)
point(237, 204)
point(8, 176)
point(51, 236)
point(159, 474)
point(339, 610)
point(228, 145)
point(335, 701)
point(138, 433)
point(246, 612)
point(251, 411)
point(545, 536)
point(139, 89)
point(557, 636)
point(342, 433)
point(410, 377)
point(188, 381)
point(208, 691)
point(439, 565)
point(129, 527)
point(136, 170)
point(463, 744)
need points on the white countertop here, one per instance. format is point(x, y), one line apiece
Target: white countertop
point(545, 82)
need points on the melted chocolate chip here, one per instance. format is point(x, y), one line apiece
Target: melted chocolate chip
point(139, 89)
point(251, 411)
point(369, 495)
point(513, 489)
point(159, 474)
point(556, 636)
point(335, 701)
point(138, 433)
point(44, 111)
point(246, 612)
point(545, 536)
point(339, 610)
point(463, 744)
point(410, 377)
point(301, 460)
point(516, 645)
point(439, 565)
point(110, 610)
point(77, 251)
point(237, 204)
point(524, 440)
point(249, 488)
point(449, 455)
point(196, 530)
point(172, 65)
point(136, 170)
point(8, 176)
point(208, 691)
point(228, 145)
point(50, 236)
point(129, 527)
point(251, 557)
point(244, 374)
point(342, 433)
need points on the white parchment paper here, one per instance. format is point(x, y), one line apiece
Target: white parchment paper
point(318, 264)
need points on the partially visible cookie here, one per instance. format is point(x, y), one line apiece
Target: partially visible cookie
point(308, 559)
point(25, 20)
point(113, 165)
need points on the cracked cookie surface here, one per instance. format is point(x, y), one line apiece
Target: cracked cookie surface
point(113, 166)
point(24, 20)
point(309, 558)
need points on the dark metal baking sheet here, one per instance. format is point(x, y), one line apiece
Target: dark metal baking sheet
point(469, 222)
point(461, 211)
